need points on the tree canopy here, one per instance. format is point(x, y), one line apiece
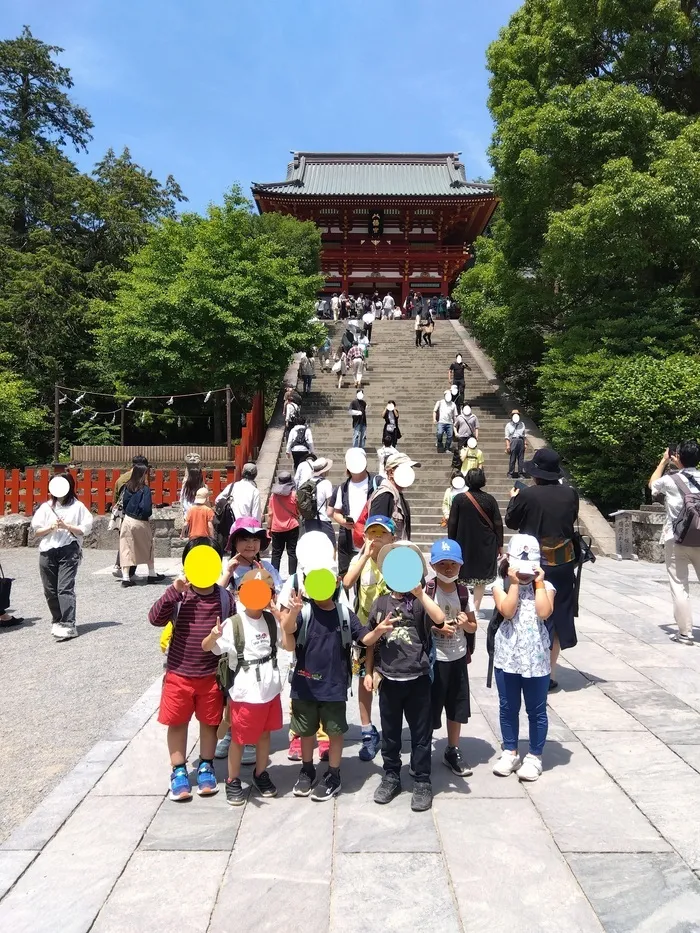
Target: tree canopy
point(591, 268)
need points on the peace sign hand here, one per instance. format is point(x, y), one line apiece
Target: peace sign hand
point(217, 630)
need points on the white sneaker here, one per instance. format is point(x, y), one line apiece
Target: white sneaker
point(248, 755)
point(63, 632)
point(682, 639)
point(507, 764)
point(530, 769)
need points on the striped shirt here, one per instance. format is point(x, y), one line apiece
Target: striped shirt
point(196, 618)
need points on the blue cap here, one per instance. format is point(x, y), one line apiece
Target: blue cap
point(446, 549)
point(382, 520)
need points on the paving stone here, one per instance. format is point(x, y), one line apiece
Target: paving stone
point(12, 864)
point(144, 766)
point(402, 898)
point(636, 653)
point(634, 892)
point(65, 887)
point(155, 884)
point(589, 622)
point(200, 823)
point(600, 665)
point(666, 716)
point(646, 770)
point(138, 715)
point(506, 871)
point(689, 754)
point(54, 810)
point(681, 682)
point(588, 812)
point(282, 856)
point(589, 708)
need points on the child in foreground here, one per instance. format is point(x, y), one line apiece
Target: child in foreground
point(190, 687)
point(450, 690)
point(522, 654)
point(405, 690)
point(324, 631)
point(250, 640)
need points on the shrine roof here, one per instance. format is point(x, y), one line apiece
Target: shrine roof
point(392, 174)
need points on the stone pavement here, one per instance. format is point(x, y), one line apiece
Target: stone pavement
point(608, 839)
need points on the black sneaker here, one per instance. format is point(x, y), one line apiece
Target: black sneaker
point(328, 787)
point(454, 761)
point(235, 794)
point(264, 784)
point(388, 789)
point(422, 798)
point(305, 783)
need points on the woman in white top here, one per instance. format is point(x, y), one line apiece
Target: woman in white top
point(521, 656)
point(60, 524)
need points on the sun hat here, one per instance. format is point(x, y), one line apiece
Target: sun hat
point(284, 485)
point(524, 554)
point(321, 466)
point(250, 526)
point(382, 520)
point(545, 464)
point(446, 549)
point(201, 496)
point(397, 459)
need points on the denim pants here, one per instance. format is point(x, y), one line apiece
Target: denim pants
point(306, 383)
point(443, 431)
point(534, 689)
point(359, 435)
point(58, 568)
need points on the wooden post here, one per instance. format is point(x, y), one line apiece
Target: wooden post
point(123, 423)
point(229, 448)
point(56, 423)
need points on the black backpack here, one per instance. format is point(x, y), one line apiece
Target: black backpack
point(223, 520)
point(299, 439)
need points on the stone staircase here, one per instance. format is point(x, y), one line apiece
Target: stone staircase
point(415, 379)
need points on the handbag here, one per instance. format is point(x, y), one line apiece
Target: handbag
point(117, 512)
point(5, 591)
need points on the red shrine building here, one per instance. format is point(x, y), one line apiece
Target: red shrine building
point(388, 222)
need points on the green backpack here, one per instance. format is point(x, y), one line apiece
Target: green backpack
point(225, 674)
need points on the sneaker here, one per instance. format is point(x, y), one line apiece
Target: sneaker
point(206, 780)
point(506, 764)
point(454, 761)
point(156, 578)
point(682, 639)
point(235, 795)
point(323, 750)
point(248, 755)
point(63, 632)
point(305, 783)
point(222, 746)
point(388, 789)
point(128, 582)
point(264, 784)
point(294, 753)
point(370, 744)
point(530, 769)
point(180, 787)
point(553, 685)
point(328, 787)
point(422, 798)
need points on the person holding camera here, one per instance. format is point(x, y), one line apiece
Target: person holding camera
point(681, 531)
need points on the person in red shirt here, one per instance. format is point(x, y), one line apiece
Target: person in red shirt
point(200, 517)
point(190, 687)
point(283, 521)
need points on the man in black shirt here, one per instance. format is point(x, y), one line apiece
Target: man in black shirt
point(358, 410)
point(457, 378)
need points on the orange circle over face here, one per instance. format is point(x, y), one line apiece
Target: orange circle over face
point(255, 595)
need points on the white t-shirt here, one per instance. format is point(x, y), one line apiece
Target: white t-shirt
point(446, 411)
point(324, 494)
point(673, 500)
point(304, 471)
point(73, 514)
point(450, 647)
point(246, 687)
point(357, 497)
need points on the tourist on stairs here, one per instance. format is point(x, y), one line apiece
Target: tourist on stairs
point(515, 444)
point(444, 416)
point(300, 442)
point(349, 503)
point(389, 499)
point(358, 411)
point(457, 377)
point(391, 433)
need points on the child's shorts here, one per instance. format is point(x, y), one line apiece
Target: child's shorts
point(450, 691)
point(184, 697)
point(307, 715)
point(250, 720)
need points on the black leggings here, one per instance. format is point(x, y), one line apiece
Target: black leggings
point(427, 338)
point(280, 540)
point(418, 336)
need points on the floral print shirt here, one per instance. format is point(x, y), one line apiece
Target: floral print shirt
point(522, 643)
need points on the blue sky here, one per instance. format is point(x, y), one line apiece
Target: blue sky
point(219, 92)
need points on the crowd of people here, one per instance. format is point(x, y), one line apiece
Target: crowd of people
point(411, 645)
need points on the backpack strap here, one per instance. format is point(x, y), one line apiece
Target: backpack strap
point(303, 629)
point(684, 490)
point(272, 631)
point(238, 638)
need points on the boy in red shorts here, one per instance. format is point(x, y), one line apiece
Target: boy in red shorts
point(250, 640)
point(189, 686)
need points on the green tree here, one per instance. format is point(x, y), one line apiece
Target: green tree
point(22, 420)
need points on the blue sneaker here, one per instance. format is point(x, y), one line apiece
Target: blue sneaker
point(180, 788)
point(370, 744)
point(206, 780)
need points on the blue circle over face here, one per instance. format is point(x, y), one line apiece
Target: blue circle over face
point(402, 569)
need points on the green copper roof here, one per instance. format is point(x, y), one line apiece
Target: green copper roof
point(397, 174)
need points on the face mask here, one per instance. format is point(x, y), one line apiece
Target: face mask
point(459, 359)
point(515, 419)
point(444, 579)
point(360, 396)
point(448, 396)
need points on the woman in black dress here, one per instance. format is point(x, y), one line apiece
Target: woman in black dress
point(475, 522)
point(391, 433)
point(548, 511)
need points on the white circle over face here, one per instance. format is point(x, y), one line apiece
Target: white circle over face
point(390, 406)
point(467, 410)
point(314, 550)
point(516, 419)
point(59, 487)
point(458, 482)
point(459, 357)
point(404, 476)
point(471, 442)
point(454, 390)
point(448, 396)
point(356, 460)
point(360, 395)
